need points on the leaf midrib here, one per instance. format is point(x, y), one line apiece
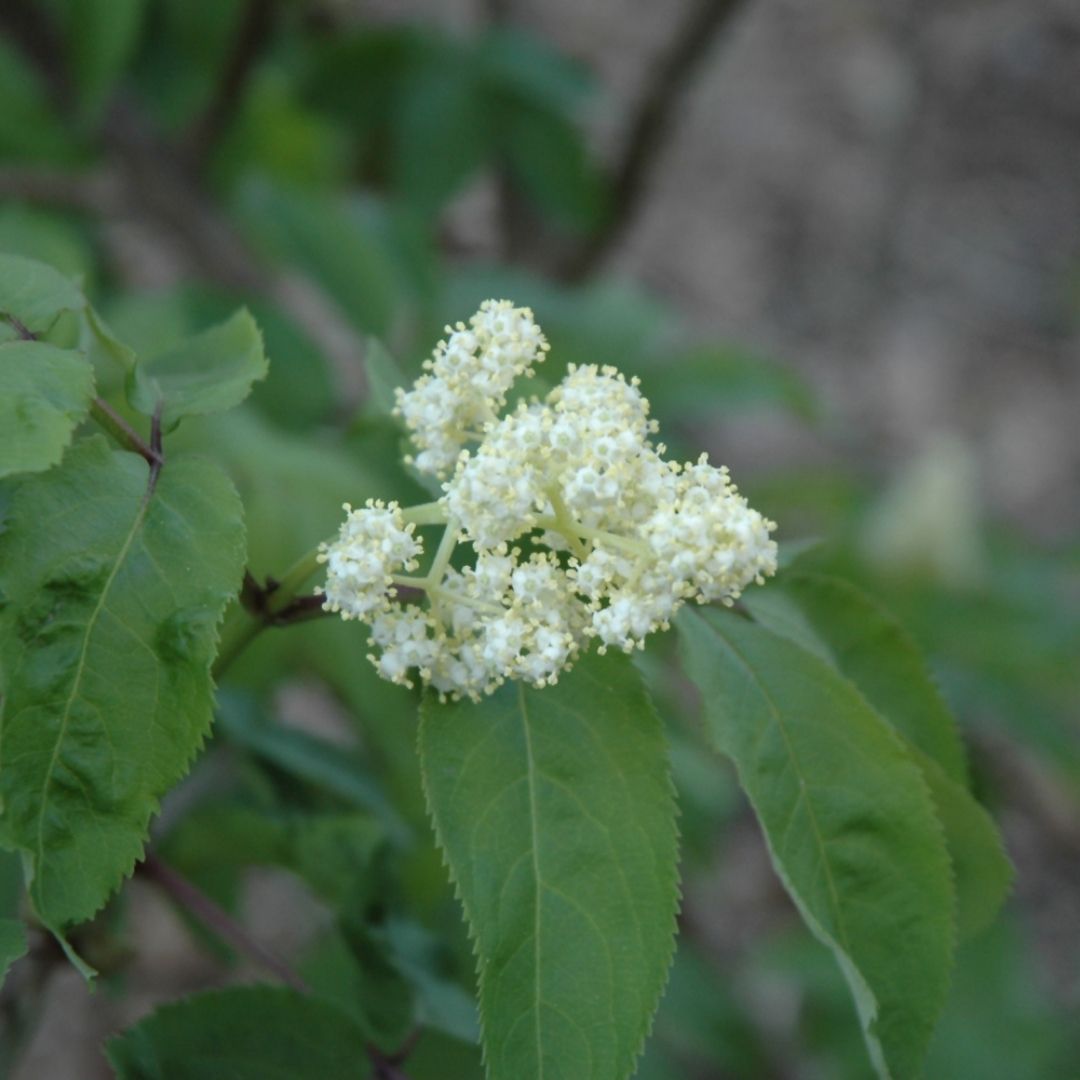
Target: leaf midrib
point(80, 668)
point(530, 769)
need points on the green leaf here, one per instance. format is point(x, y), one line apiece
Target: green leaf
point(114, 591)
point(245, 1033)
point(868, 645)
point(208, 373)
point(728, 378)
point(441, 130)
point(12, 944)
point(44, 393)
point(35, 294)
point(848, 819)
point(554, 808)
point(101, 35)
point(864, 642)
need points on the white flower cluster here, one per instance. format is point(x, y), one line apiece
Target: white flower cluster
point(467, 380)
point(614, 538)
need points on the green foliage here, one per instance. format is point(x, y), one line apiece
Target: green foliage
point(106, 640)
point(12, 943)
point(208, 373)
point(555, 812)
point(246, 1033)
point(44, 393)
point(101, 35)
point(849, 822)
point(866, 644)
point(35, 295)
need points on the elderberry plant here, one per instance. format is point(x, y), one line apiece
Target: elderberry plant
point(513, 639)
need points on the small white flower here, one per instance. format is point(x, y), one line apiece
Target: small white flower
point(373, 543)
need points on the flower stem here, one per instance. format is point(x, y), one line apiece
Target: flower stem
point(273, 604)
point(432, 513)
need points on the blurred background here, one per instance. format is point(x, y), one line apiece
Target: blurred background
point(840, 244)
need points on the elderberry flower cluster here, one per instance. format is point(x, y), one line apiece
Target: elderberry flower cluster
point(579, 527)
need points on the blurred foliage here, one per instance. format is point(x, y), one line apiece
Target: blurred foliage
point(339, 159)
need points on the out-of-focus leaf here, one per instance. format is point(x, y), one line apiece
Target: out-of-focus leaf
point(30, 127)
point(522, 64)
point(323, 236)
point(48, 238)
point(848, 818)
point(384, 376)
point(548, 156)
point(555, 811)
point(101, 35)
point(106, 641)
point(12, 944)
point(727, 378)
point(44, 393)
point(440, 132)
point(315, 761)
point(244, 1033)
point(211, 372)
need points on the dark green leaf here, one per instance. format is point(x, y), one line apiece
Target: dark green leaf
point(440, 132)
point(44, 393)
point(113, 596)
point(12, 944)
point(245, 1033)
point(210, 372)
point(101, 35)
point(848, 818)
point(555, 811)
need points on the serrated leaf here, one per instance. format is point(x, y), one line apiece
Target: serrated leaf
point(208, 373)
point(554, 809)
point(12, 944)
point(868, 645)
point(848, 819)
point(44, 393)
point(245, 1033)
point(35, 294)
point(865, 643)
point(113, 596)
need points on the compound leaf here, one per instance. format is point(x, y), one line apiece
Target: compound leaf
point(244, 1033)
point(554, 809)
point(44, 393)
point(113, 592)
point(848, 819)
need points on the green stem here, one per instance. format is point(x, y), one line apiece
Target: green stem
point(566, 524)
point(432, 513)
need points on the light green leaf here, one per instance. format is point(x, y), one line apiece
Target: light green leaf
point(554, 809)
point(208, 373)
point(113, 594)
point(848, 819)
point(868, 645)
point(44, 393)
point(35, 294)
point(244, 1033)
point(865, 643)
point(12, 944)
